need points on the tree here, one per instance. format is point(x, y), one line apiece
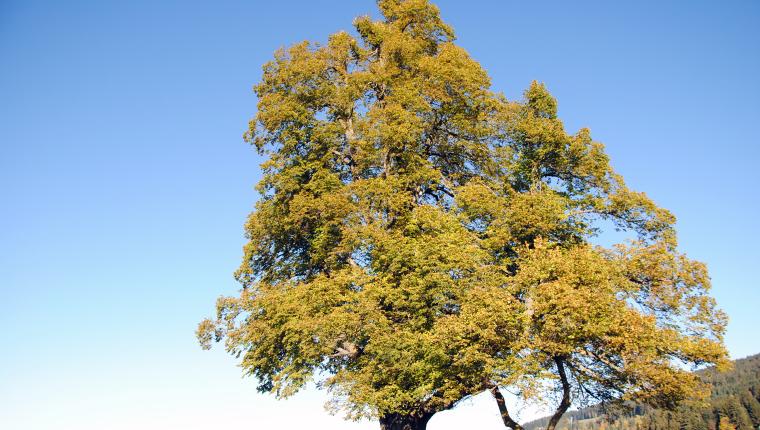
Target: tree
point(725, 424)
point(752, 406)
point(738, 415)
point(420, 239)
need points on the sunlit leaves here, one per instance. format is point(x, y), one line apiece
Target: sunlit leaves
point(420, 238)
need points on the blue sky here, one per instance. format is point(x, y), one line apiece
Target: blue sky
point(125, 181)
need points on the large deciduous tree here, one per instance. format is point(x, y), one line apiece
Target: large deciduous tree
point(420, 239)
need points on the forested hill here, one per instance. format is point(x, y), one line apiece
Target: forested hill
point(734, 405)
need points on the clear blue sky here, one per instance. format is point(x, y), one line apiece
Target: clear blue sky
point(125, 182)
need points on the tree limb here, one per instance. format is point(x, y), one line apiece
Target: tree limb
point(508, 421)
point(565, 403)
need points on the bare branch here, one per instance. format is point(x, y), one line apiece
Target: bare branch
point(346, 349)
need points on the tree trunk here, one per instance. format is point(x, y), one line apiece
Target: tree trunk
point(405, 422)
point(508, 421)
point(565, 403)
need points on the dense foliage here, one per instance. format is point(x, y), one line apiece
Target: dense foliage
point(734, 404)
point(420, 239)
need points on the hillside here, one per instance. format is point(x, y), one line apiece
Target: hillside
point(734, 405)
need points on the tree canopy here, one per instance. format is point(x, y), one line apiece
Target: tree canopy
point(420, 239)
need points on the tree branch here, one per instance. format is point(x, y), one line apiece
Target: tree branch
point(345, 349)
point(508, 421)
point(613, 366)
point(565, 403)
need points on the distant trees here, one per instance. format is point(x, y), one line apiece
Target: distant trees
point(735, 402)
point(420, 239)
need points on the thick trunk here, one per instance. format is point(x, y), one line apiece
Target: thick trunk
point(405, 422)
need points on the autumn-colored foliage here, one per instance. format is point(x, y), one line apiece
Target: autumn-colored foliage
point(420, 239)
